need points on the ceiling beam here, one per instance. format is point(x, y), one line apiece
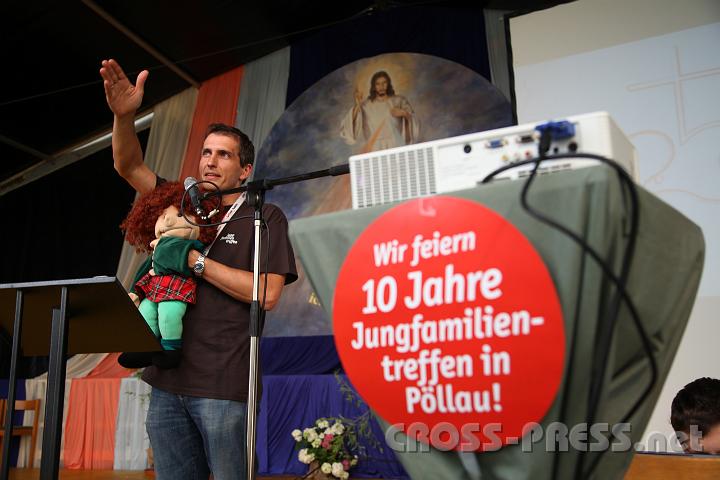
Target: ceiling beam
point(24, 148)
point(142, 43)
point(71, 155)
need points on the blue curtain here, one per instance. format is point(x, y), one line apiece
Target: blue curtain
point(300, 386)
point(312, 355)
point(296, 401)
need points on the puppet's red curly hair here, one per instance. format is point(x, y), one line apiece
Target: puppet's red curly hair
point(139, 225)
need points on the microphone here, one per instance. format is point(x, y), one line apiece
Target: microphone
point(192, 189)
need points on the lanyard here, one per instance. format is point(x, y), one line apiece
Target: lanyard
point(240, 200)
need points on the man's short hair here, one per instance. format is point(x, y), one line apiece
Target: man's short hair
point(698, 403)
point(247, 150)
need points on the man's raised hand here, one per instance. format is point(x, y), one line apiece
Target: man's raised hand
point(122, 97)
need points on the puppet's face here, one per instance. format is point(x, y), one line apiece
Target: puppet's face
point(171, 223)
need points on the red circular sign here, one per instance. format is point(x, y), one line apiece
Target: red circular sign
point(448, 324)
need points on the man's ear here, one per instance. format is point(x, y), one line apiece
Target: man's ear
point(247, 171)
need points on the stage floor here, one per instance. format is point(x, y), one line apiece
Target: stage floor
point(34, 474)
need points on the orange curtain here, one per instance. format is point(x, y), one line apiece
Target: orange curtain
point(109, 368)
point(90, 426)
point(91, 417)
point(216, 102)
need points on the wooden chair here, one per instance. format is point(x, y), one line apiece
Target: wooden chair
point(20, 430)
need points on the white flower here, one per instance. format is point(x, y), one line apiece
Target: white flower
point(354, 461)
point(316, 443)
point(323, 423)
point(338, 428)
point(344, 475)
point(326, 468)
point(297, 435)
point(337, 469)
point(310, 434)
point(303, 456)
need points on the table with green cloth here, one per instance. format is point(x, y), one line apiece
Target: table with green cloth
point(663, 281)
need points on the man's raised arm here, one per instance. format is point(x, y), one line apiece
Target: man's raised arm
point(124, 99)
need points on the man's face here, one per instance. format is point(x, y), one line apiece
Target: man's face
point(220, 162)
point(381, 84)
point(708, 443)
point(711, 441)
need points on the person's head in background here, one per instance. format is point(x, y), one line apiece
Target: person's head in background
point(695, 416)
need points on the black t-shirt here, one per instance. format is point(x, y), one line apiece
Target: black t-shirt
point(216, 344)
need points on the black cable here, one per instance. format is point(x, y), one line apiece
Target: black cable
point(230, 220)
point(571, 355)
point(543, 148)
point(214, 211)
point(201, 225)
point(619, 282)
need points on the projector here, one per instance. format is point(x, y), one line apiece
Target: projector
point(462, 162)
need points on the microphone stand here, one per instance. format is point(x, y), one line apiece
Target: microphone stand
point(256, 198)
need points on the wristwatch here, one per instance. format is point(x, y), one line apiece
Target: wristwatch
point(199, 266)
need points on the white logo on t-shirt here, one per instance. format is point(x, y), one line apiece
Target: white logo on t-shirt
point(229, 239)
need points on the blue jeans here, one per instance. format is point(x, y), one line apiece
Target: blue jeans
point(192, 437)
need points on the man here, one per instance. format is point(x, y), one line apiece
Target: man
point(695, 416)
point(382, 120)
point(197, 416)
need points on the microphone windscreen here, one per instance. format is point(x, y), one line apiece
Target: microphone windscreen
point(189, 182)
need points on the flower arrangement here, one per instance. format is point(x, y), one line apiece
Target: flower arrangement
point(326, 445)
